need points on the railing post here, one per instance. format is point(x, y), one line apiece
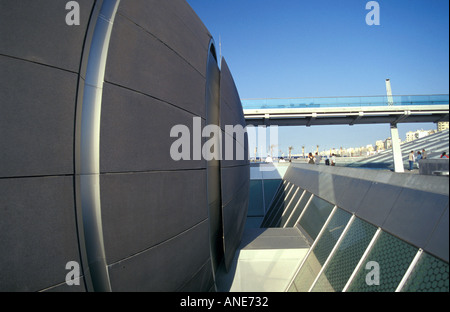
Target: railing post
point(396, 149)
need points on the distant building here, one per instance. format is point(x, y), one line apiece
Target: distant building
point(387, 143)
point(370, 150)
point(379, 145)
point(443, 125)
point(418, 134)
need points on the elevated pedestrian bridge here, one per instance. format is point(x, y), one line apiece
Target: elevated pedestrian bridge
point(346, 110)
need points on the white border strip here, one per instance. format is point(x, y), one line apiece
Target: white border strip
point(304, 209)
point(333, 251)
point(313, 246)
point(363, 258)
point(294, 209)
point(409, 271)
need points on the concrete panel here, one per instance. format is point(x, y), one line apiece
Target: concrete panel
point(233, 179)
point(428, 166)
point(231, 106)
point(140, 126)
point(203, 280)
point(235, 174)
point(234, 212)
point(335, 188)
point(139, 61)
point(438, 243)
point(290, 173)
point(166, 267)
point(182, 9)
point(139, 210)
point(230, 111)
point(415, 215)
point(234, 150)
point(234, 215)
point(36, 119)
point(378, 203)
point(39, 235)
point(170, 27)
point(306, 179)
point(155, 223)
point(232, 115)
point(213, 173)
point(36, 30)
point(326, 187)
point(350, 200)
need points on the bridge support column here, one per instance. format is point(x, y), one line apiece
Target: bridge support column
point(396, 149)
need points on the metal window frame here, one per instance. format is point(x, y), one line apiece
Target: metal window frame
point(333, 251)
point(363, 258)
point(304, 210)
point(313, 246)
point(295, 208)
point(408, 272)
point(274, 209)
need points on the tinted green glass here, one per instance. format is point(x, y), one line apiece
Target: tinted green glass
point(346, 257)
point(290, 205)
point(393, 257)
point(429, 275)
point(321, 251)
point(270, 189)
point(255, 201)
point(282, 206)
point(298, 208)
point(315, 216)
point(277, 200)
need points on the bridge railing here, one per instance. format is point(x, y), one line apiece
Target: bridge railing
point(352, 101)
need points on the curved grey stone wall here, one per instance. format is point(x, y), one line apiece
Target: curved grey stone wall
point(150, 214)
point(40, 60)
point(235, 171)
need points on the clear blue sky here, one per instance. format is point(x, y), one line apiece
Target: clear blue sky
point(319, 48)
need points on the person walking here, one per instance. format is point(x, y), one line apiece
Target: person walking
point(333, 160)
point(411, 159)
